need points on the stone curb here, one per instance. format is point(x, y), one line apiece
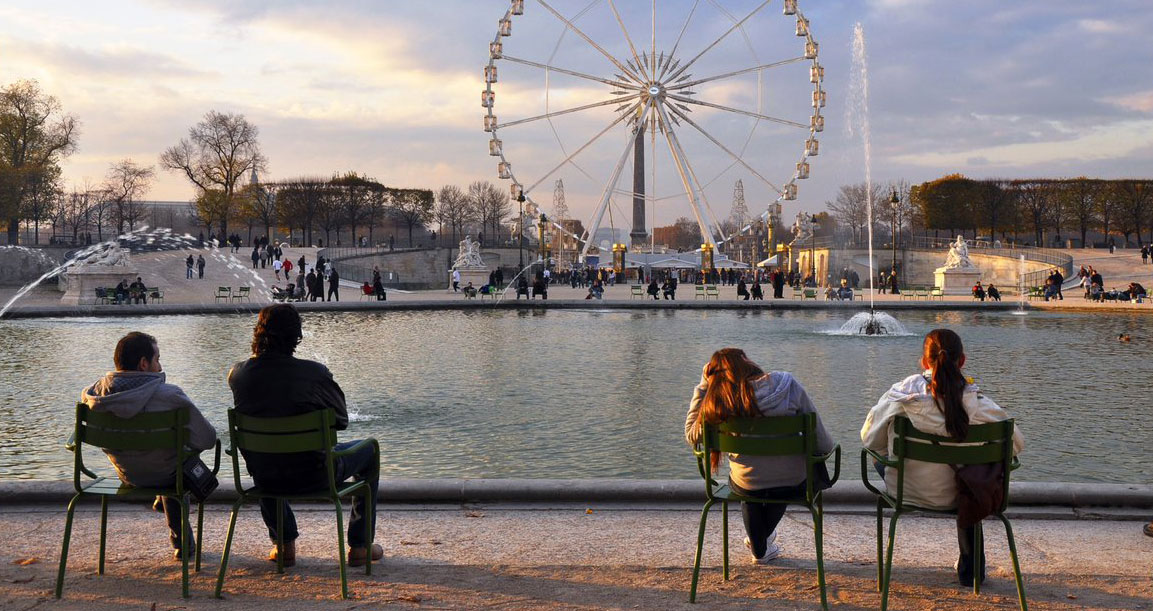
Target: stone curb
point(511, 304)
point(411, 490)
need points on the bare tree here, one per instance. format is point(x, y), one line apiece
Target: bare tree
point(851, 208)
point(412, 207)
point(1136, 200)
point(452, 210)
point(259, 203)
point(42, 191)
point(356, 198)
point(301, 201)
point(1079, 199)
point(219, 151)
point(35, 136)
point(126, 183)
point(489, 205)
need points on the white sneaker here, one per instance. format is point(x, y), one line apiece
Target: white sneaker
point(771, 551)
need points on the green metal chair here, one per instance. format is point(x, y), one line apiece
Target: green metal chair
point(777, 436)
point(147, 431)
point(313, 431)
point(986, 444)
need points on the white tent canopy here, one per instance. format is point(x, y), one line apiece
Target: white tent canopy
point(729, 264)
point(673, 264)
point(771, 261)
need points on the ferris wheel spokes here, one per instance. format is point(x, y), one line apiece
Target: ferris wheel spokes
point(700, 186)
point(611, 185)
point(677, 154)
point(686, 100)
point(737, 158)
point(557, 113)
point(570, 157)
point(528, 62)
point(679, 71)
point(726, 75)
point(641, 67)
point(572, 26)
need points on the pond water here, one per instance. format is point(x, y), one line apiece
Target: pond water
point(600, 393)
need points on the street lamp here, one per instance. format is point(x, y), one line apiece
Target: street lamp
point(520, 229)
point(894, 201)
point(813, 249)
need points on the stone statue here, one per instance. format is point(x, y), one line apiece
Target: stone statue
point(802, 229)
point(111, 256)
point(958, 257)
point(469, 254)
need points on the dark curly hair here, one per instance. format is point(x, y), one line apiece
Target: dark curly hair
point(278, 329)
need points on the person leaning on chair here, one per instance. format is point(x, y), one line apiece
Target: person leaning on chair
point(273, 383)
point(732, 386)
point(137, 386)
point(939, 401)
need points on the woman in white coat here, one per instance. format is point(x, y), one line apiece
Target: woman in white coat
point(939, 401)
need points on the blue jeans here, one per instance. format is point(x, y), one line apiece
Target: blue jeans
point(360, 465)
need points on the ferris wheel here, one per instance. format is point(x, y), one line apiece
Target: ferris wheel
point(699, 89)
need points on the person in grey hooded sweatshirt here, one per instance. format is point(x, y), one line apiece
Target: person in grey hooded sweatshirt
point(732, 386)
point(137, 386)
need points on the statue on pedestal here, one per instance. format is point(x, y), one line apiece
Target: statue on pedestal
point(958, 257)
point(469, 254)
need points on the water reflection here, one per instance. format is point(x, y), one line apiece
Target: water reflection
point(596, 393)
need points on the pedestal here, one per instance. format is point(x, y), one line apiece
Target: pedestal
point(478, 276)
point(82, 282)
point(956, 280)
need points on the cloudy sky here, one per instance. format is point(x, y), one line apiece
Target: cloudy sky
point(392, 89)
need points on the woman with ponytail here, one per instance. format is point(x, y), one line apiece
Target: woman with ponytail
point(939, 401)
point(732, 386)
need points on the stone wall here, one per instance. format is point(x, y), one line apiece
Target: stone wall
point(426, 268)
point(918, 265)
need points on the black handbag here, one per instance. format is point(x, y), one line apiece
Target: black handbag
point(199, 480)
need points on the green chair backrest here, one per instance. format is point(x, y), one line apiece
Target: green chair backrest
point(167, 430)
point(309, 432)
point(985, 444)
point(775, 436)
point(244, 290)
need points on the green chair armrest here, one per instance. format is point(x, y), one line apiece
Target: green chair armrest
point(866, 454)
point(836, 451)
point(70, 443)
point(703, 465)
point(1015, 464)
point(216, 459)
point(360, 444)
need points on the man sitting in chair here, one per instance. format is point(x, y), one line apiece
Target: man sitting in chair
point(138, 386)
point(272, 383)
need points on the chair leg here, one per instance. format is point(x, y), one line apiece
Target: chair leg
point(819, 540)
point(227, 545)
point(978, 553)
point(279, 535)
point(199, 532)
point(725, 540)
point(64, 547)
point(103, 532)
point(1016, 564)
point(889, 561)
point(700, 544)
point(340, 547)
point(369, 535)
point(880, 544)
point(184, 546)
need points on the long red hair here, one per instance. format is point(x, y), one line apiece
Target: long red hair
point(730, 393)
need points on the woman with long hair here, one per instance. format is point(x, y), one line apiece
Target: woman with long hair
point(732, 386)
point(939, 401)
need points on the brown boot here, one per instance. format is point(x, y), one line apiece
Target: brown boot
point(289, 554)
point(358, 556)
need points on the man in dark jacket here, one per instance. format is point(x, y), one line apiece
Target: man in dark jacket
point(333, 285)
point(137, 386)
point(272, 383)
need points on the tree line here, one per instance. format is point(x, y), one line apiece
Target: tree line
point(1045, 209)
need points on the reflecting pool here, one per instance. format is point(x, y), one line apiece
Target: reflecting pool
point(600, 393)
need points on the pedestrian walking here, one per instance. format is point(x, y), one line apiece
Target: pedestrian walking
point(456, 280)
point(200, 266)
point(189, 263)
point(255, 256)
point(333, 285)
point(277, 265)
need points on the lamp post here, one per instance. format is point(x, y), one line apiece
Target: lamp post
point(520, 230)
point(894, 201)
point(813, 249)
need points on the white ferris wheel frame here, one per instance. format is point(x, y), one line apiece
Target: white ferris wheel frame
point(654, 89)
